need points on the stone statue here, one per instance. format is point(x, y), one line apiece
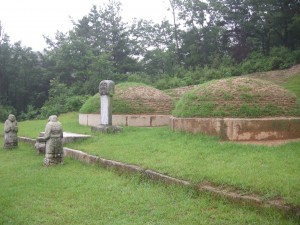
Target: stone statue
point(10, 132)
point(54, 146)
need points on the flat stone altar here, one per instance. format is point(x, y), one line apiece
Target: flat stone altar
point(40, 144)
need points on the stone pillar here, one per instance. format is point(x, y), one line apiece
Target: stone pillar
point(10, 132)
point(106, 90)
point(54, 146)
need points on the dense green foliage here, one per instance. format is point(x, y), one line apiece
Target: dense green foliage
point(269, 171)
point(236, 97)
point(206, 40)
point(76, 193)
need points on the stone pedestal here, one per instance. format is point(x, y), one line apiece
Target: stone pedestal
point(107, 129)
point(53, 159)
point(106, 90)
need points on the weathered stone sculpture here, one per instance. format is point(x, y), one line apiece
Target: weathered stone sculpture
point(106, 90)
point(10, 132)
point(54, 146)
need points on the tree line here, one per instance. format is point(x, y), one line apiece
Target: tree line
point(204, 40)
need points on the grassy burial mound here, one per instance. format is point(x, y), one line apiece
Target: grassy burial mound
point(176, 93)
point(133, 98)
point(237, 97)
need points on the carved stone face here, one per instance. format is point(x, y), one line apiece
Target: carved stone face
point(11, 118)
point(107, 87)
point(52, 118)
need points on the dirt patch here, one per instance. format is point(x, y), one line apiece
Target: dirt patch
point(141, 92)
point(176, 93)
point(276, 76)
point(269, 142)
point(144, 100)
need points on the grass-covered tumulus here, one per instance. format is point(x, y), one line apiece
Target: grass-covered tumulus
point(237, 97)
point(133, 98)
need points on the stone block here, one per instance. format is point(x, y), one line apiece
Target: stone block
point(159, 120)
point(119, 120)
point(83, 119)
point(93, 119)
point(138, 120)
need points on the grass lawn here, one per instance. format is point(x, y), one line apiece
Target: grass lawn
point(269, 171)
point(76, 193)
point(293, 84)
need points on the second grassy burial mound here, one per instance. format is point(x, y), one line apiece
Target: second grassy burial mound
point(237, 97)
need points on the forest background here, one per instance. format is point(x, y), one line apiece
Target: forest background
point(204, 41)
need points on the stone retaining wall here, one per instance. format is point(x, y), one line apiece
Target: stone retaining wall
point(126, 120)
point(235, 196)
point(240, 129)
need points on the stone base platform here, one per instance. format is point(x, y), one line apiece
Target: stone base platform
point(106, 129)
point(126, 120)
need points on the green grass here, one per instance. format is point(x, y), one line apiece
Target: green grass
point(293, 85)
point(270, 171)
point(77, 193)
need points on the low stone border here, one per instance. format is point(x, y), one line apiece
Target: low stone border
point(126, 120)
point(205, 186)
point(227, 192)
point(241, 129)
point(27, 140)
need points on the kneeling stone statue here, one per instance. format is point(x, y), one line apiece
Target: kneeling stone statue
point(53, 137)
point(10, 132)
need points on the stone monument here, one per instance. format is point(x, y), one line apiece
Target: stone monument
point(10, 132)
point(106, 90)
point(54, 146)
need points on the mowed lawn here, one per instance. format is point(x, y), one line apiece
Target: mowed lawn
point(268, 171)
point(77, 193)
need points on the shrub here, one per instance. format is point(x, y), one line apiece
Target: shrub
point(31, 113)
point(61, 100)
point(5, 111)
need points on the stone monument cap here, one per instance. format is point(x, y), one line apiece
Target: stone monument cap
point(107, 87)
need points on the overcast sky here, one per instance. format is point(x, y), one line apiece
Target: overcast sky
point(28, 20)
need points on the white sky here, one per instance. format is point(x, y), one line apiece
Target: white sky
point(28, 20)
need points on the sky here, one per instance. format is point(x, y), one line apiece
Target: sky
point(28, 20)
